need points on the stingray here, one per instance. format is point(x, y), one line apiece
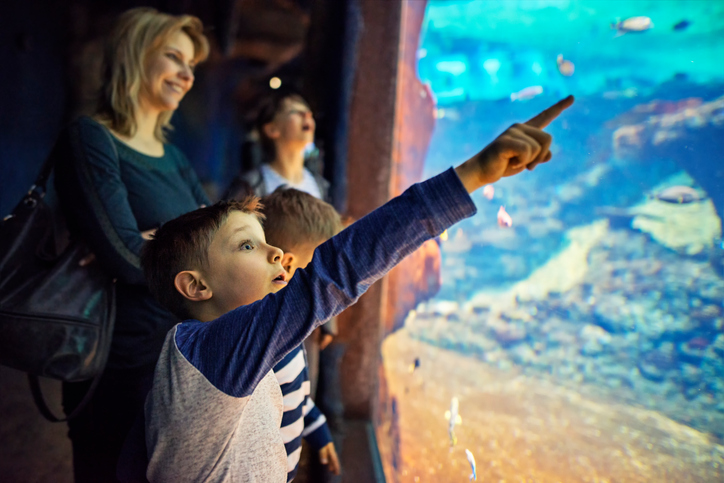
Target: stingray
point(679, 195)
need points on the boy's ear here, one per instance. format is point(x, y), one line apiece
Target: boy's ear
point(191, 286)
point(289, 261)
point(271, 130)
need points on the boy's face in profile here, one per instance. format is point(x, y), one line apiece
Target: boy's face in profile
point(243, 268)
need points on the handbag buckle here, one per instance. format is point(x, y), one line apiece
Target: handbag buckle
point(37, 189)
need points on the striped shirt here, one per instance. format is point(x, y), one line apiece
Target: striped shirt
point(301, 418)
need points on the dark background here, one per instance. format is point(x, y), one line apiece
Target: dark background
point(51, 55)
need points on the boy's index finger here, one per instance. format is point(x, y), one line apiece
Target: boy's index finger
point(546, 117)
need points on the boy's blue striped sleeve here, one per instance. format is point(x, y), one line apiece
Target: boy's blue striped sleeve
point(316, 431)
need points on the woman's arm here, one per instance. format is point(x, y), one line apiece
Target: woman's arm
point(94, 197)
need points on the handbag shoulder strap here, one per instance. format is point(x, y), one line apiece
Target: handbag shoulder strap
point(43, 406)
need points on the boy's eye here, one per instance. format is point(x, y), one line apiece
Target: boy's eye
point(247, 245)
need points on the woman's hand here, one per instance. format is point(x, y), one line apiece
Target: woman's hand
point(520, 147)
point(328, 457)
point(88, 259)
point(148, 234)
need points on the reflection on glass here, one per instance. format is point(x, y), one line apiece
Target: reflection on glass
point(578, 334)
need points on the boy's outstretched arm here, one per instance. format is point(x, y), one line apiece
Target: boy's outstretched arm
point(235, 351)
point(520, 147)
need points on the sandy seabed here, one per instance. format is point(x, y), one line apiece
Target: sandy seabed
point(524, 429)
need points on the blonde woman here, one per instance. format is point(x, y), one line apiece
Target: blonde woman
point(118, 180)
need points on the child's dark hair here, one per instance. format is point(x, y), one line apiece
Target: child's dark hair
point(294, 217)
point(183, 244)
point(270, 107)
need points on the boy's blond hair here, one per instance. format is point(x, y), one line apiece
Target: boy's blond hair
point(294, 217)
point(139, 33)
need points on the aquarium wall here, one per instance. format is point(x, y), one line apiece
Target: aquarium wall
point(572, 330)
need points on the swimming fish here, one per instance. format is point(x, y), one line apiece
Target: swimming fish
point(492, 66)
point(415, 365)
point(679, 195)
point(504, 218)
point(471, 460)
point(631, 25)
point(488, 191)
point(565, 67)
point(454, 418)
point(681, 25)
point(527, 93)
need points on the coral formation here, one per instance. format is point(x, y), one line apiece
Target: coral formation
point(616, 314)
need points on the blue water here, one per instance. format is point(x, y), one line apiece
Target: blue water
point(633, 283)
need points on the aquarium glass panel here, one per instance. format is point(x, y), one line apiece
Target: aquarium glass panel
point(578, 330)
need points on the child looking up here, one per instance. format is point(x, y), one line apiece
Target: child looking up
point(215, 408)
point(297, 222)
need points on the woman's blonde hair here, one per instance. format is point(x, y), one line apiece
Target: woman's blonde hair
point(139, 33)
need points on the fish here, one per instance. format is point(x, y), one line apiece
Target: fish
point(679, 195)
point(454, 418)
point(504, 218)
point(415, 365)
point(632, 25)
point(527, 93)
point(488, 191)
point(565, 67)
point(491, 66)
point(681, 25)
point(471, 460)
point(626, 93)
point(454, 67)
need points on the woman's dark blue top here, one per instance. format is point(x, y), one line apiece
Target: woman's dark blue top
point(109, 197)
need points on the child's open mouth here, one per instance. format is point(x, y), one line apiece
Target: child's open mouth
point(281, 279)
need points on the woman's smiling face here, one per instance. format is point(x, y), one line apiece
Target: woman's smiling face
point(169, 74)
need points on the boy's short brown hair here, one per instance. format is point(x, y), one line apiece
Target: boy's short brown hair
point(268, 110)
point(294, 217)
point(183, 244)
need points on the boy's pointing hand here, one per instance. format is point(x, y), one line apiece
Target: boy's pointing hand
point(520, 147)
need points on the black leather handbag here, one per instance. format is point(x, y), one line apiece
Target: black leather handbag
point(56, 317)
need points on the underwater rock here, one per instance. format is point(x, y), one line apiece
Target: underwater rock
point(560, 274)
point(654, 365)
point(685, 132)
point(659, 122)
point(687, 228)
point(718, 345)
point(508, 333)
point(692, 380)
point(694, 350)
point(523, 354)
point(594, 339)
